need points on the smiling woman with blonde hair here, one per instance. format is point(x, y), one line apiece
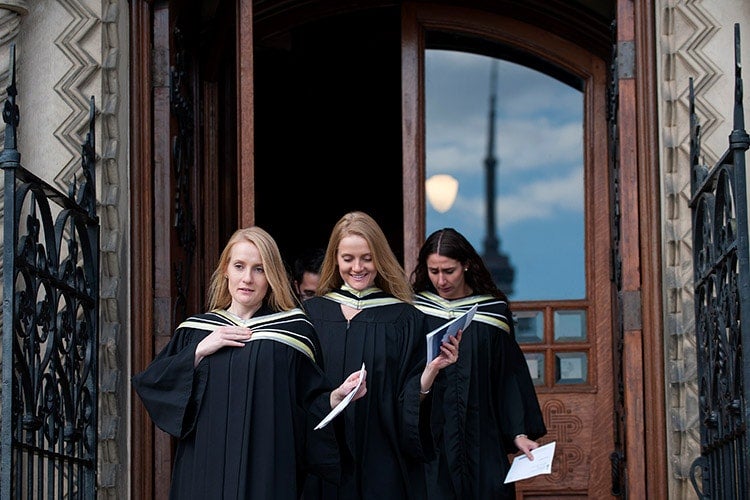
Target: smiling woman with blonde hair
point(390, 275)
point(363, 314)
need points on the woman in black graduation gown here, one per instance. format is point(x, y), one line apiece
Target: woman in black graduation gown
point(241, 388)
point(488, 402)
point(364, 314)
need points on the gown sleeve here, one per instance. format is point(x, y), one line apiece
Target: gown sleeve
point(324, 450)
point(325, 453)
point(171, 388)
point(416, 428)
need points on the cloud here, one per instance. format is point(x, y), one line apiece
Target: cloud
point(520, 146)
point(538, 121)
point(539, 177)
point(541, 199)
point(457, 85)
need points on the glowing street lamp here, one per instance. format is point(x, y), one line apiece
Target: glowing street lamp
point(441, 191)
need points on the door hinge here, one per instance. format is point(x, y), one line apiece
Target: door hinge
point(631, 310)
point(625, 59)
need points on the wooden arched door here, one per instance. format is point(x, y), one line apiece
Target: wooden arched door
point(318, 110)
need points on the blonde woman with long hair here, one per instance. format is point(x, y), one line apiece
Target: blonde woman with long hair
point(241, 386)
point(363, 314)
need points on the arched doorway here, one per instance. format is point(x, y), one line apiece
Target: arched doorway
point(329, 117)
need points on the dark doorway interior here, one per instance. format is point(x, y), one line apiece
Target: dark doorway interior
point(328, 128)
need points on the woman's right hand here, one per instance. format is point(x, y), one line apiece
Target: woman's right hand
point(338, 394)
point(230, 335)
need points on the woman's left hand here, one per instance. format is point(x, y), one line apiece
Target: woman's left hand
point(448, 352)
point(525, 445)
point(448, 355)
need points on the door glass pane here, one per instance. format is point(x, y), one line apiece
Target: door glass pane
point(529, 327)
point(535, 362)
point(571, 367)
point(570, 325)
point(536, 241)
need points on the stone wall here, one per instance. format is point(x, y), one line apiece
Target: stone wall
point(694, 39)
point(68, 51)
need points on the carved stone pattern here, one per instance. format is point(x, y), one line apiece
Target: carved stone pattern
point(113, 389)
point(71, 88)
point(685, 29)
point(564, 428)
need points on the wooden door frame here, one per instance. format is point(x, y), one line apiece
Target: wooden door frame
point(165, 275)
point(640, 250)
point(416, 19)
point(142, 464)
point(245, 114)
point(595, 399)
point(641, 253)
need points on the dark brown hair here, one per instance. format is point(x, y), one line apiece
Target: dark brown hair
point(450, 243)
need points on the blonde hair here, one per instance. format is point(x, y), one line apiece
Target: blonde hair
point(391, 276)
point(280, 296)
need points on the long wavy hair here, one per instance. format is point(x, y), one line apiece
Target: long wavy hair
point(280, 295)
point(391, 276)
point(450, 243)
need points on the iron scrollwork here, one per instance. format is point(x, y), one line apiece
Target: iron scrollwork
point(50, 327)
point(721, 271)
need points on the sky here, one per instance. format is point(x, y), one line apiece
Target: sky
point(539, 177)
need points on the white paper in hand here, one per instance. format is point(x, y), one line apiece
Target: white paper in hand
point(523, 468)
point(344, 402)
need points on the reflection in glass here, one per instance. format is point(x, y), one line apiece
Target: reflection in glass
point(441, 191)
point(535, 362)
point(537, 147)
point(570, 325)
point(571, 367)
point(529, 327)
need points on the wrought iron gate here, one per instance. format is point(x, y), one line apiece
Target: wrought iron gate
point(50, 326)
point(722, 301)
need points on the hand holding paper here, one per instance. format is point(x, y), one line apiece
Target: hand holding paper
point(447, 353)
point(359, 390)
point(441, 334)
point(523, 468)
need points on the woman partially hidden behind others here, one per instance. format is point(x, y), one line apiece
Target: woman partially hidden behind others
point(485, 403)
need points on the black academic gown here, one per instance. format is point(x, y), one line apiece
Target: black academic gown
point(244, 415)
point(388, 430)
point(481, 402)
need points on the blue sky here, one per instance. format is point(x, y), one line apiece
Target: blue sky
point(539, 178)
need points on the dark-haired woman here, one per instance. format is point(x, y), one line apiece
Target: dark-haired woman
point(489, 405)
